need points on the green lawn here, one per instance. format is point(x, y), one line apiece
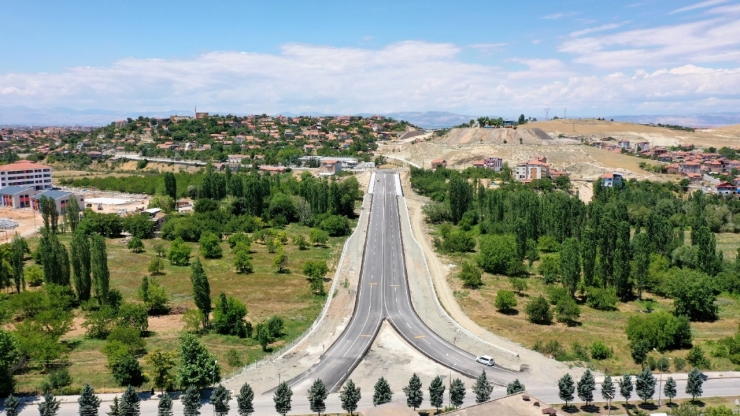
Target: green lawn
point(265, 293)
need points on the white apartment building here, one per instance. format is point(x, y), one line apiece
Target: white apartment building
point(25, 173)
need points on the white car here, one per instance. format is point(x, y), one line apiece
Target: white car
point(485, 360)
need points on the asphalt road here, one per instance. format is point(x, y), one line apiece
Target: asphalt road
point(383, 293)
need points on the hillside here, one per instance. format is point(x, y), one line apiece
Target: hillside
point(496, 136)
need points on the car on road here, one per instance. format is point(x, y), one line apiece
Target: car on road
point(485, 360)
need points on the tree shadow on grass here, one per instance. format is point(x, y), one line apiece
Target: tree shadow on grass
point(591, 408)
point(570, 409)
point(650, 406)
point(510, 312)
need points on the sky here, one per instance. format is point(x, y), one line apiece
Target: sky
point(595, 58)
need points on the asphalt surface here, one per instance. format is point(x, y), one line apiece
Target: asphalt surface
point(383, 293)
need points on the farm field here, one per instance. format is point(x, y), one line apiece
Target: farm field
point(264, 292)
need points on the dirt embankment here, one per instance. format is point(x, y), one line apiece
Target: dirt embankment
point(496, 136)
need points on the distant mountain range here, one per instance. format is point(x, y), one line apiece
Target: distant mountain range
point(61, 116)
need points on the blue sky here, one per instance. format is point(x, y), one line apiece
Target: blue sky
point(472, 57)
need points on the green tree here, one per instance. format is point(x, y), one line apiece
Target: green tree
point(198, 367)
point(128, 372)
point(570, 265)
point(515, 387)
point(588, 256)
point(244, 401)
point(135, 245)
point(50, 405)
point(72, 214)
point(457, 392)
point(436, 392)
point(114, 408)
point(519, 285)
point(460, 196)
point(9, 355)
point(220, 397)
point(201, 290)
point(505, 301)
point(694, 384)
point(318, 237)
point(315, 271)
point(626, 387)
point(566, 389)
point(282, 398)
point(470, 275)
point(567, 311)
point(694, 296)
point(179, 254)
point(641, 249)
point(538, 311)
point(669, 389)
point(280, 261)
point(414, 395)
point(383, 393)
point(350, 395)
point(645, 385)
point(498, 255)
point(162, 363)
point(210, 245)
point(242, 263)
point(482, 388)
point(12, 403)
point(191, 401)
point(317, 395)
point(18, 248)
point(129, 404)
point(586, 387)
point(170, 185)
point(262, 334)
point(696, 357)
point(608, 392)
point(89, 402)
point(228, 317)
point(99, 267)
point(164, 408)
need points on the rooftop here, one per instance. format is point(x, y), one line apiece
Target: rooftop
point(53, 194)
point(12, 190)
point(23, 165)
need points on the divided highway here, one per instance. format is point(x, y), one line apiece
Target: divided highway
point(383, 293)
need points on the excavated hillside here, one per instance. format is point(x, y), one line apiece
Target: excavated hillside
point(498, 136)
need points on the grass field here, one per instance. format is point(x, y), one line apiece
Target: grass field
point(265, 293)
point(594, 325)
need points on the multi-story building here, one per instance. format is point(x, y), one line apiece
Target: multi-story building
point(611, 179)
point(534, 169)
point(25, 173)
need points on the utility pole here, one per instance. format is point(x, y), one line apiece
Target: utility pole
point(547, 113)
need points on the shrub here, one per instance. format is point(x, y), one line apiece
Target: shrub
point(696, 358)
point(549, 268)
point(233, 358)
point(567, 311)
point(336, 225)
point(34, 275)
point(556, 294)
point(603, 299)
point(498, 255)
point(599, 351)
point(179, 254)
point(538, 311)
point(318, 237)
point(679, 363)
point(235, 239)
point(60, 378)
point(548, 244)
point(275, 326)
point(127, 372)
point(458, 242)
point(505, 300)
point(470, 275)
point(156, 266)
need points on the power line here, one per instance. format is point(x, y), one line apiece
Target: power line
point(547, 113)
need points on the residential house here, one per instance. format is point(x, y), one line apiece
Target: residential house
point(611, 179)
point(534, 169)
point(330, 167)
point(439, 163)
point(686, 168)
point(624, 144)
point(714, 166)
point(495, 163)
point(726, 188)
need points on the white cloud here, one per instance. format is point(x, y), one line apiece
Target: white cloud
point(402, 76)
point(700, 5)
point(557, 16)
point(589, 30)
point(488, 48)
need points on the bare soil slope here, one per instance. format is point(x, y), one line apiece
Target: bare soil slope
point(496, 136)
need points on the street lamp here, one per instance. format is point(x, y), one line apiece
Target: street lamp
point(213, 382)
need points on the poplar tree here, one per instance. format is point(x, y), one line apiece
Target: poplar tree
point(220, 398)
point(608, 392)
point(129, 404)
point(244, 400)
point(383, 393)
point(625, 387)
point(80, 256)
point(570, 265)
point(566, 388)
point(282, 398)
point(350, 396)
point(622, 267)
point(99, 267)
point(164, 408)
point(457, 392)
point(191, 401)
point(588, 256)
point(645, 385)
point(694, 384)
point(414, 395)
point(436, 392)
point(482, 388)
point(641, 250)
point(17, 252)
point(201, 290)
point(89, 402)
point(669, 389)
point(460, 195)
point(170, 185)
point(586, 386)
point(317, 396)
point(72, 214)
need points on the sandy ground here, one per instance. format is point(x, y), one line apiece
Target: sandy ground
point(540, 371)
point(27, 224)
